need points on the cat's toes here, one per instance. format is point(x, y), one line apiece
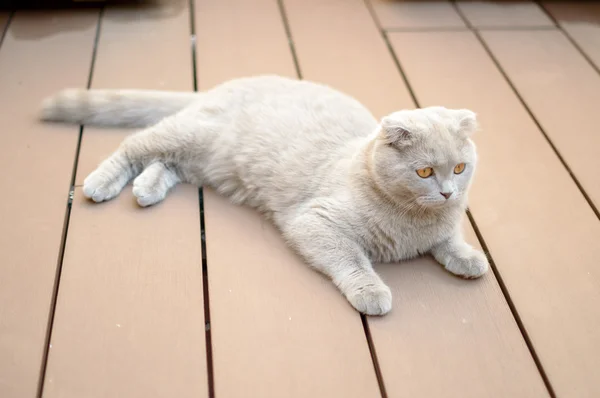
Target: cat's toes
point(371, 299)
point(99, 187)
point(472, 266)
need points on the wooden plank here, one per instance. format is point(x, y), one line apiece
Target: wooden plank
point(279, 329)
point(504, 14)
point(130, 316)
point(442, 326)
point(581, 20)
point(542, 234)
point(258, 22)
point(129, 320)
point(563, 92)
point(317, 37)
point(416, 15)
point(423, 338)
point(38, 162)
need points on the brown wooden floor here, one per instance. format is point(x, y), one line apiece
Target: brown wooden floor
point(112, 300)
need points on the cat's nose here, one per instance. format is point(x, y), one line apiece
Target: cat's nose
point(446, 194)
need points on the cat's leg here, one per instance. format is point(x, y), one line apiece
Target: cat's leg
point(338, 257)
point(460, 258)
point(160, 143)
point(108, 180)
point(153, 184)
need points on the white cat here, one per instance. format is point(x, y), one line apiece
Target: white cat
point(344, 190)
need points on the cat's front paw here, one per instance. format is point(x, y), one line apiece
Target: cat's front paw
point(472, 266)
point(371, 298)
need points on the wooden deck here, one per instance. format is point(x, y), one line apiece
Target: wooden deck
point(112, 300)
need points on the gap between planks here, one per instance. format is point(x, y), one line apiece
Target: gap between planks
point(205, 287)
point(467, 29)
point(4, 29)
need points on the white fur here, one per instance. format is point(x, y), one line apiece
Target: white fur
point(341, 187)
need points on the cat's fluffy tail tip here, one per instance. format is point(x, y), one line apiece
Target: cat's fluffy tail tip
point(62, 106)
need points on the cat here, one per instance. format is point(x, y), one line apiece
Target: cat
point(344, 189)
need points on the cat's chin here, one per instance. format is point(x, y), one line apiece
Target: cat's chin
point(434, 203)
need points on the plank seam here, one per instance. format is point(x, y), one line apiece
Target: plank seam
point(511, 305)
point(569, 37)
point(466, 29)
point(205, 283)
point(373, 352)
point(63, 241)
point(5, 29)
point(288, 32)
point(529, 111)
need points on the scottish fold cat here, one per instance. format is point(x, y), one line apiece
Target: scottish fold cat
point(344, 189)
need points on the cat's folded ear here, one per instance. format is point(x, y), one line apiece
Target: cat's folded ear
point(467, 122)
point(396, 133)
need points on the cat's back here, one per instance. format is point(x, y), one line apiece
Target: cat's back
point(282, 137)
point(284, 107)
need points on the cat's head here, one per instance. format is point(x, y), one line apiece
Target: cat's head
point(426, 155)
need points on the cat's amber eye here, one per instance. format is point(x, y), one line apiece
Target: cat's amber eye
point(459, 168)
point(426, 172)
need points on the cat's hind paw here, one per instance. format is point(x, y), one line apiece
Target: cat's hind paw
point(101, 187)
point(153, 185)
point(148, 195)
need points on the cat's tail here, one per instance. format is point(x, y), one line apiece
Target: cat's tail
point(114, 108)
